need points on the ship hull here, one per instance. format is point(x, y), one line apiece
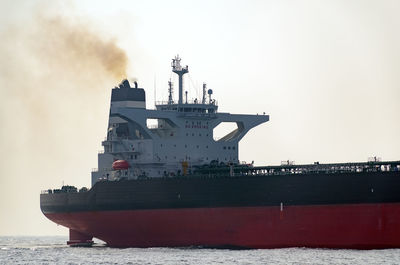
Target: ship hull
point(357, 226)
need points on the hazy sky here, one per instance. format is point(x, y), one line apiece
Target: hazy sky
point(327, 73)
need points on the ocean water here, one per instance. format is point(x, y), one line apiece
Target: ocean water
point(53, 250)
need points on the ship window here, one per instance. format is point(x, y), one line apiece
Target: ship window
point(131, 156)
point(192, 134)
point(161, 145)
point(206, 158)
point(233, 148)
point(135, 156)
point(174, 157)
point(185, 146)
point(229, 147)
point(197, 146)
point(187, 134)
point(224, 147)
point(174, 145)
point(166, 157)
point(206, 146)
point(207, 134)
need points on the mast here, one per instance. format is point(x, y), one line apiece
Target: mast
point(180, 71)
point(203, 101)
point(170, 91)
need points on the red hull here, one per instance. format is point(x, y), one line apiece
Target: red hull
point(361, 226)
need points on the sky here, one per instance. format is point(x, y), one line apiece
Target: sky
point(327, 73)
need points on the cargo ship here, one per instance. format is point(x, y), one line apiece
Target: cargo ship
point(164, 180)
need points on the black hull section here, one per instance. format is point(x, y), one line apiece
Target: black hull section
point(244, 191)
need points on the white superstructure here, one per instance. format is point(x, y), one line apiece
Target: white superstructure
point(181, 135)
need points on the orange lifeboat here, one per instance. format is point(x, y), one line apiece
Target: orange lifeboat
point(120, 165)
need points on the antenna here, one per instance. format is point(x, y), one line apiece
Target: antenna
point(155, 89)
point(180, 71)
point(170, 92)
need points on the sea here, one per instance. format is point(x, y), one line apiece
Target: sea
point(53, 250)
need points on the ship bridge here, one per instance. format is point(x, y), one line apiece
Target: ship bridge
point(170, 139)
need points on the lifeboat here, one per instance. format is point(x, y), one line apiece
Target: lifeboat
point(120, 165)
